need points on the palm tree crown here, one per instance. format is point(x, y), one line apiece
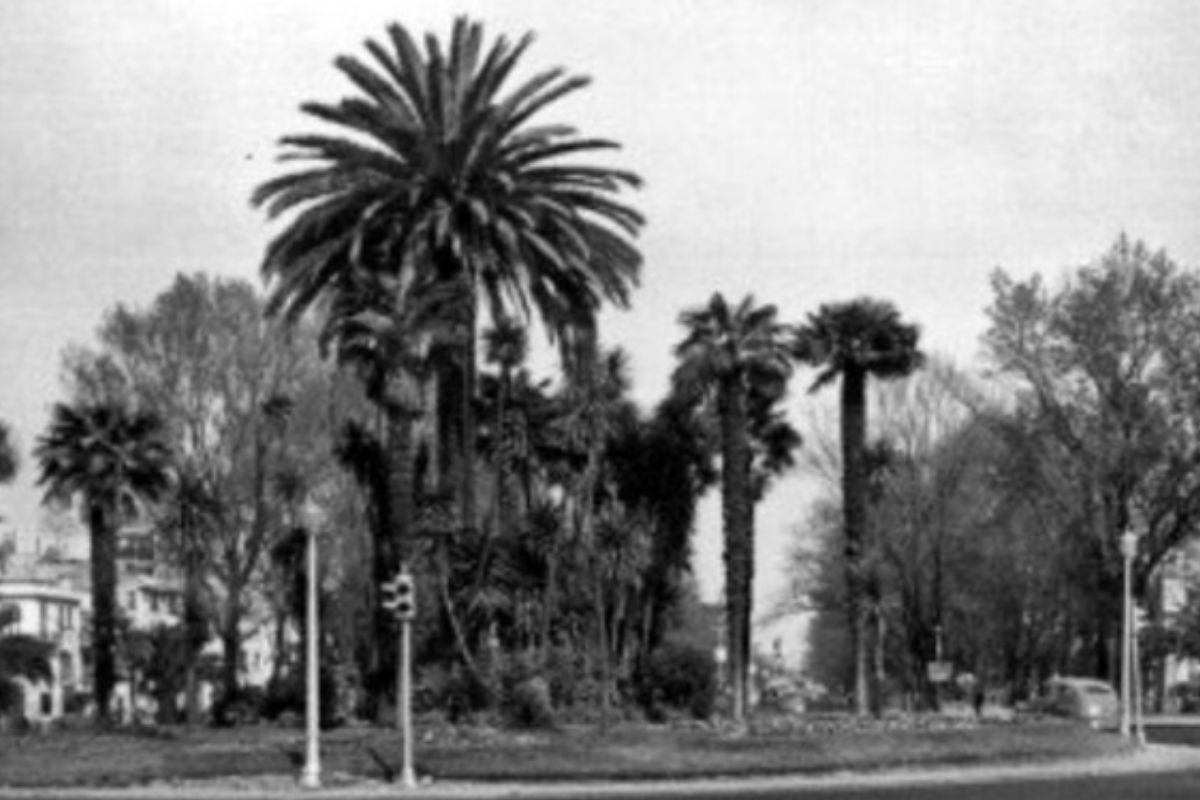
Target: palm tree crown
point(744, 344)
point(439, 168)
point(104, 453)
point(864, 335)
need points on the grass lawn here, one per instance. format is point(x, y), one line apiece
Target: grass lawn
point(75, 758)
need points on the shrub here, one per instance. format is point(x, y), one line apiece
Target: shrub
point(676, 676)
point(453, 690)
point(289, 696)
point(527, 704)
point(525, 694)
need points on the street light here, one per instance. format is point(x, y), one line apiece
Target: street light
point(1128, 551)
point(310, 776)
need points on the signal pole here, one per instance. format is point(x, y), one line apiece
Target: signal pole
point(400, 598)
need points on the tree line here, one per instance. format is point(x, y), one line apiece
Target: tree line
point(996, 500)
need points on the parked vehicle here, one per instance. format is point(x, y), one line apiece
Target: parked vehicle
point(1184, 698)
point(1086, 699)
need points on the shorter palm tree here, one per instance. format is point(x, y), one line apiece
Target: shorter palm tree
point(113, 458)
point(855, 341)
point(731, 358)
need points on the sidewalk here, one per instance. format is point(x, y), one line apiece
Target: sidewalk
point(1152, 758)
point(1172, 721)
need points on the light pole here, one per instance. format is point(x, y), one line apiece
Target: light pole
point(310, 776)
point(1128, 551)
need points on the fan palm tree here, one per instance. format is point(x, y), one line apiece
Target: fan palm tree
point(112, 458)
point(21, 656)
point(730, 356)
point(855, 341)
point(437, 170)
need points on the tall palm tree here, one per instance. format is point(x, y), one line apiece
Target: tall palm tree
point(437, 170)
point(855, 341)
point(113, 458)
point(730, 355)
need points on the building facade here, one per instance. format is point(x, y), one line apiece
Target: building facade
point(52, 612)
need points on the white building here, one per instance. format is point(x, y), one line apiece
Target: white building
point(52, 612)
point(54, 598)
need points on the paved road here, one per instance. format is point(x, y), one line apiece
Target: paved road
point(1169, 786)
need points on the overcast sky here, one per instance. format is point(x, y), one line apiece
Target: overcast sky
point(803, 151)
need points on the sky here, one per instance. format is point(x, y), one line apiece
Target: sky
point(805, 152)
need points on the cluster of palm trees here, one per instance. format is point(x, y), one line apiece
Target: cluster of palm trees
point(737, 359)
point(441, 199)
point(435, 210)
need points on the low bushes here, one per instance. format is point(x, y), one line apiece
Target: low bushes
point(677, 677)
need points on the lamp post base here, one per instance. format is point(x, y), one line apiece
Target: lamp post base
point(310, 777)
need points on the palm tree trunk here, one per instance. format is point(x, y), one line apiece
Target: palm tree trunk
point(102, 527)
point(735, 506)
point(854, 507)
point(470, 367)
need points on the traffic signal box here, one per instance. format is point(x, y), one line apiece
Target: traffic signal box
point(400, 596)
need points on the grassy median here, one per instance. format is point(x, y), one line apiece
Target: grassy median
point(480, 753)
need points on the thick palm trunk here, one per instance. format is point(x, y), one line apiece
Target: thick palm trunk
point(854, 507)
point(104, 606)
point(736, 509)
point(470, 368)
point(391, 550)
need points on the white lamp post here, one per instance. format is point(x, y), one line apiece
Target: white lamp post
point(310, 776)
point(1128, 551)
